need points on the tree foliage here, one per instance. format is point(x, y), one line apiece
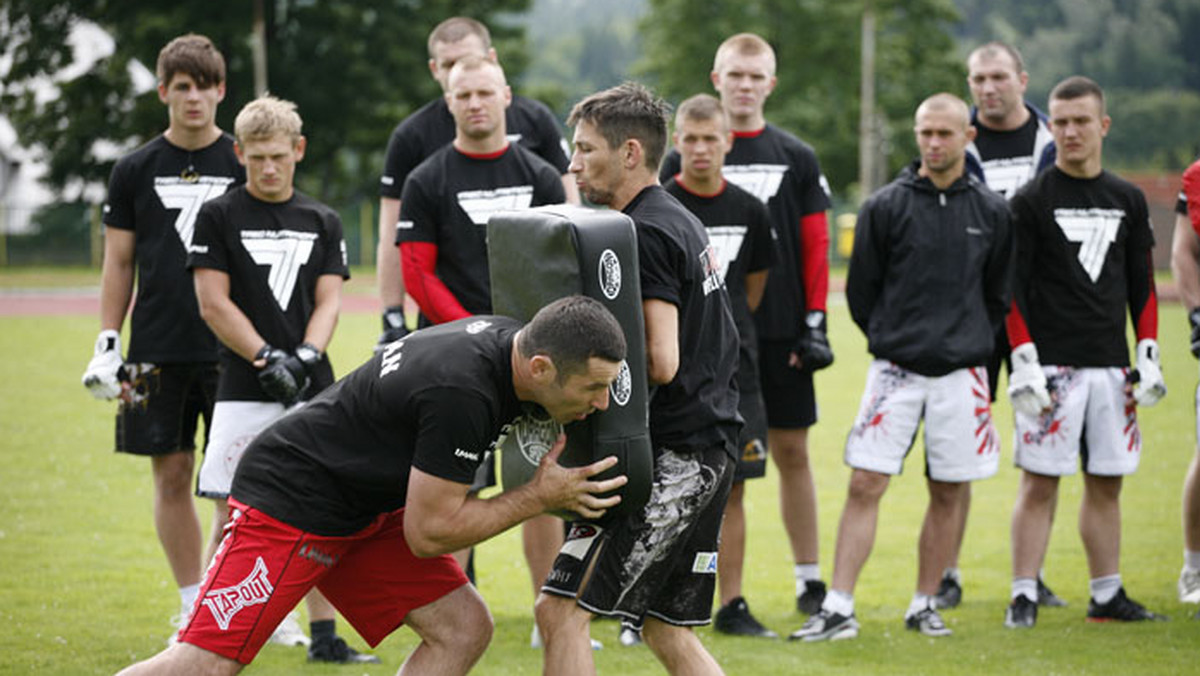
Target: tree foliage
point(1143, 52)
point(817, 46)
point(355, 69)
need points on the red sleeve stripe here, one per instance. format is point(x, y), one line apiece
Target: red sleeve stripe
point(1018, 332)
point(814, 259)
point(1147, 321)
point(437, 303)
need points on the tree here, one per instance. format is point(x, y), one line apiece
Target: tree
point(355, 69)
point(816, 45)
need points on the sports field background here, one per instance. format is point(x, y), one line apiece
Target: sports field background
point(84, 588)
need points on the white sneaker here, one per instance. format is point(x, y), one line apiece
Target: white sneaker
point(535, 640)
point(289, 632)
point(179, 622)
point(1189, 586)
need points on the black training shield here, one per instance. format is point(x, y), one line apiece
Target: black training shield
point(539, 255)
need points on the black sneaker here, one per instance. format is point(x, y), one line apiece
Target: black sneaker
point(734, 618)
point(826, 626)
point(336, 651)
point(949, 593)
point(809, 601)
point(1046, 597)
point(1120, 609)
point(1021, 613)
point(927, 622)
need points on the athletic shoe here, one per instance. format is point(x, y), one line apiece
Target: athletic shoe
point(630, 635)
point(1189, 586)
point(826, 626)
point(927, 622)
point(1021, 613)
point(1046, 597)
point(809, 601)
point(1120, 608)
point(289, 632)
point(949, 593)
point(734, 618)
point(535, 640)
point(335, 651)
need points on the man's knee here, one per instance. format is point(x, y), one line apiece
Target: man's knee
point(459, 621)
point(1038, 489)
point(556, 613)
point(788, 447)
point(173, 474)
point(946, 496)
point(867, 486)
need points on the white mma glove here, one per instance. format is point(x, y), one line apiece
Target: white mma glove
point(102, 375)
point(1026, 382)
point(1148, 385)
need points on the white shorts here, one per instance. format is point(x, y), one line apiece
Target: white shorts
point(961, 443)
point(1092, 422)
point(234, 426)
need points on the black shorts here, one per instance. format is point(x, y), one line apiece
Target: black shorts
point(752, 440)
point(787, 392)
point(165, 406)
point(660, 562)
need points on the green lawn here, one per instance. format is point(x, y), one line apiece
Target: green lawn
point(84, 588)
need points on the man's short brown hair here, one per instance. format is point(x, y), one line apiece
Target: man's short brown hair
point(747, 44)
point(701, 108)
point(627, 111)
point(193, 55)
point(1077, 87)
point(458, 28)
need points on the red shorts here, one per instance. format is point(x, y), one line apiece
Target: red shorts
point(264, 567)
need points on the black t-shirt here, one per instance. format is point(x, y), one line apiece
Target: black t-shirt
point(448, 199)
point(1076, 242)
point(1007, 156)
point(273, 253)
point(529, 123)
point(156, 191)
point(437, 400)
point(739, 229)
point(783, 172)
point(698, 409)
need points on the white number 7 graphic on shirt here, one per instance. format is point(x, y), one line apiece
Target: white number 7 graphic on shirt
point(187, 198)
point(284, 256)
point(1095, 230)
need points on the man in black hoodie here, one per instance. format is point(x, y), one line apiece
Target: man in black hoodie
point(928, 285)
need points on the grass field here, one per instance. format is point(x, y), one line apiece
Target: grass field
point(84, 588)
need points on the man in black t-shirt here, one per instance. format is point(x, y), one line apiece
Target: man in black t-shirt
point(658, 564)
point(442, 232)
point(529, 124)
point(169, 379)
point(1083, 246)
point(1012, 144)
point(364, 491)
point(739, 229)
point(783, 172)
point(268, 263)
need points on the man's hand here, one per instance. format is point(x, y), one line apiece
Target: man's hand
point(394, 326)
point(812, 351)
point(1148, 384)
point(1027, 382)
point(105, 372)
point(283, 376)
point(571, 488)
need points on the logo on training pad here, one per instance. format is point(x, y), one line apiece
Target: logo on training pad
point(705, 563)
point(580, 539)
point(610, 274)
point(227, 602)
point(535, 436)
point(622, 387)
point(476, 327)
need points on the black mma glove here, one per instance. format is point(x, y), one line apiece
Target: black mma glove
point(394, 326)
point(1194, 320)
point(812, 347)
point(284, 377)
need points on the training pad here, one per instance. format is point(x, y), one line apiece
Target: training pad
point(537, 256)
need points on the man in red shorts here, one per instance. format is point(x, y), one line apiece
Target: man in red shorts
point(363, 492)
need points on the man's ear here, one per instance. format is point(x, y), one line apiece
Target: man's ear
point(543, 369)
